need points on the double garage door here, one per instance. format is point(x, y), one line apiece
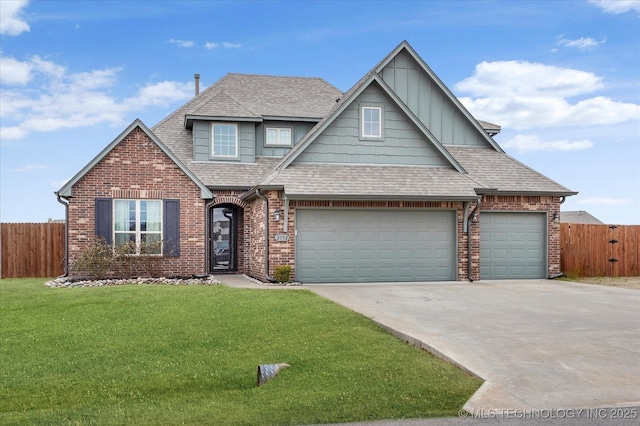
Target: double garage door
point(360, 245)
point(513, 245)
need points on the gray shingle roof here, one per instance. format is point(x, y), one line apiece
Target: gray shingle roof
point(276, 96)
point(240, 95)
point(373, 182)
point(497, 170)
point(579, 216)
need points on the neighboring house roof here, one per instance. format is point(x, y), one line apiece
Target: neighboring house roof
point(67, 189)
point(579, 216)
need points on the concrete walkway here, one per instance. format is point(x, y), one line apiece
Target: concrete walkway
point(538, 344)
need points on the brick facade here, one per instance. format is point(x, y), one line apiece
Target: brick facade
point(283, 253)
point(550, 205)
point(137, 168)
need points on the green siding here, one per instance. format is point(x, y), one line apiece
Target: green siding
point(427, 101)
point(402, 142)
point(298, 129)
point(202, 142)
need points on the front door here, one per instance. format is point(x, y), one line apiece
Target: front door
point(223, 239)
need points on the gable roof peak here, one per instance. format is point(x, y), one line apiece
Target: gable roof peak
point(67, 189)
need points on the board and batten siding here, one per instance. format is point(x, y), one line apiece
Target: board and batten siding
point(298, 130)
point(402, 143)
point(202, 142)
point(429, 103)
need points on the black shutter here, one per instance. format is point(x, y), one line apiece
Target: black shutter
point(171, 237)
point(103, 219)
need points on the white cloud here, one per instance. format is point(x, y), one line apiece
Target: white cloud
point(605, 201)
point(582, 43)
point(182, 43)
point(528, 143)
point(14, 72)
point(521, 78)
point(51, 98)
point(525, 95)
point(11, 22)
point(224, 45)
point(617, 6)
point(29, 168)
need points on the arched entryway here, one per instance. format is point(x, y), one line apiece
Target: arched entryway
point(224, 239)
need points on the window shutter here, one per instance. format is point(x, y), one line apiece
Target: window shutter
point(104, 219)
point(171, 237)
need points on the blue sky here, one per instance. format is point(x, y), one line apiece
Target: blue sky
point(561, 77)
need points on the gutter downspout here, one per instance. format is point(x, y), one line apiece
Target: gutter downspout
point(66, 235)
point(561, 274)
point(469, 222)
point(266, 236)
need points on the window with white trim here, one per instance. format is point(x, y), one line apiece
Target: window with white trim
point(279, 136)
point(371, 122)
point(138, 223)
point(224, 140)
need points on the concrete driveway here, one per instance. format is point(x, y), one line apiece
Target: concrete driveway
point(539, 344)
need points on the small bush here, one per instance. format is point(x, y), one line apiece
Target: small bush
point(100, 260)
point(283, 273)
point(95, 260)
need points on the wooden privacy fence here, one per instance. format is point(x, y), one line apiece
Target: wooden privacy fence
point(37, 250)
point(599, 250)
point(32, 249)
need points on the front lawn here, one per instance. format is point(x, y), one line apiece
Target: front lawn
point(188, 354)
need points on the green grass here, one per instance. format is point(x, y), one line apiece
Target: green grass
point(188, 355)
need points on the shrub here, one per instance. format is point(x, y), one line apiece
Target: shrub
point(95, 260)
point(283, 273)
point(99, 260)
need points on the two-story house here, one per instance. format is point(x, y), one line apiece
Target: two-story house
point(393, 180)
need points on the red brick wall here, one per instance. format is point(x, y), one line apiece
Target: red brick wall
point(283, 253)
point(138, 169)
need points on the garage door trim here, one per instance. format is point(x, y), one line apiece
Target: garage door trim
point(451, 229)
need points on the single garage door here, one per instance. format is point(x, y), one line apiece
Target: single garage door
point(512, 245)
point(359, 245)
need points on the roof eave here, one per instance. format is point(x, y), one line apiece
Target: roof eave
point(376, 197)
point(493, 191)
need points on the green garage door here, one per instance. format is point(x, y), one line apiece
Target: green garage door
point(512, 245)
point(349, 245)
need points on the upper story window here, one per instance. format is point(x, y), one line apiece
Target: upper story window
point(278, 136)
point(138, 223)
point(371, 122)
point(224, 140)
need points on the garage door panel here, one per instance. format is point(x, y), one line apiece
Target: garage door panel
point(375, 245)
point(512, 245)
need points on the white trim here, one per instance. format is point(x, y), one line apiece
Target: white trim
point(138, 232)
point(213, 152)
point(278, 136)
point(362, 122)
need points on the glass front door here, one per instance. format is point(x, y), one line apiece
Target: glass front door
point(223, 239)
